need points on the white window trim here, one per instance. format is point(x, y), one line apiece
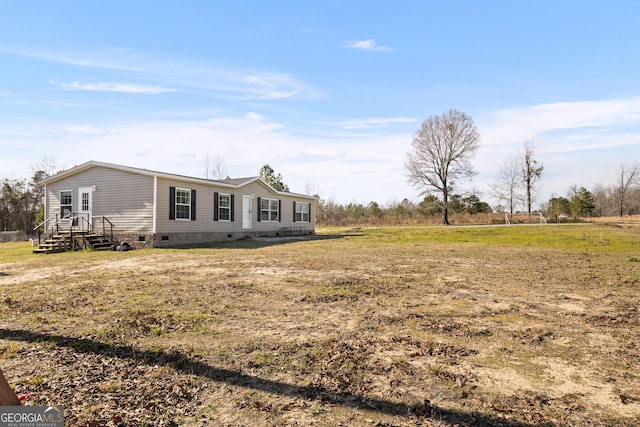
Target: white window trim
point(65, 204)
point(188, 191)
point(269, 210)
point(302, 213)
point(227, 208)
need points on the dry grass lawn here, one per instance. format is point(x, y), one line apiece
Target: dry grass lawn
point(511, 326)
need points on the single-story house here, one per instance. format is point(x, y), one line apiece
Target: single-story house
point(154, 209)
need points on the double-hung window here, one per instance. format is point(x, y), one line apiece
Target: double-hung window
point(183, 204)
point(269, 210)
point(66, 203)
point(224, 207)
point(302, 212)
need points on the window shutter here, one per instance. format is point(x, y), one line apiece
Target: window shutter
point(172, 202)
point(259, 208)
point(215, 206)
point(294, 211)
point(231, 207)
point(279, 210)
point(193, 205)
point(310, 210)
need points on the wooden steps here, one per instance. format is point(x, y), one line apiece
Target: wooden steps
point(76, 240)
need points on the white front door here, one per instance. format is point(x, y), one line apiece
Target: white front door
point(85, 202)
point(247, 201)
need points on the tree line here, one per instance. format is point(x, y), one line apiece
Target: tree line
point(602, 200)
point(21, 203)
point(329, 212)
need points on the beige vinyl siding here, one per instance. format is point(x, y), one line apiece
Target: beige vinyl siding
point(205, 202)
point(125, 198)
point(204, 209)
point(286, 211)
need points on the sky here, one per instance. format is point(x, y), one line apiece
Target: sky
point(329, 93)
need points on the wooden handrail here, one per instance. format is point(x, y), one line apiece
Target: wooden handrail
point(44, 222)
point(111, 226)
point(54, 227)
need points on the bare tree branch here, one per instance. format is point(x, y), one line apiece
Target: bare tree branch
point(215, 168)
point(531, 172)
point(629, 176)
point(441, 156)
point(506, 187)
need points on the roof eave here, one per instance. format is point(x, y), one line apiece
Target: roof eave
point(92, 163)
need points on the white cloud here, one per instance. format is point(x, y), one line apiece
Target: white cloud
point(585, 120)
point(254, 117)
point(373, 122)
point(106, 58)
point(322, 154)
point(278, 95)
point(116, 87)
point(579, 142)
point(84, 131)
point(223, 81)
point(266, 86)
point(369, 44)
point(258, 80)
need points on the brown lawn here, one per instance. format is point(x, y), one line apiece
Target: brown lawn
point(513, 326)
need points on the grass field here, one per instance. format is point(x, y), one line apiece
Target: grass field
point(506, 326)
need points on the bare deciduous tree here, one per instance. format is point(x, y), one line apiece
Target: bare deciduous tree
point(215, 168)
point(310, 189)
point(506, 187)
point(441, 157)
point(629, 176)
point(603, 200)
point(47, 165)
point(531, 172)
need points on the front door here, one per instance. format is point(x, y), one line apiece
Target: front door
point(85, 202)
point(247, 201)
